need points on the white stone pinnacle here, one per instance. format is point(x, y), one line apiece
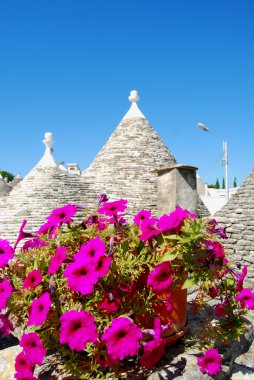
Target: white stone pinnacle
point(134, 112)
point(47, 159)
point(134, 97)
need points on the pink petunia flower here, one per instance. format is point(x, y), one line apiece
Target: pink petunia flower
point(6, 252)
point(81, 276)
point(22, 363)
point(101, 199)
point(160, 279)
point(5, 324)
point(221, 309)
point(33, 347)
point(22, 234)
point(110, 302)
point(210, 362)
point(32, 279)
point(39, 310)
point(141, 217)
point(34, 243)
point(5, 292)
point(246, 298)
point(25, 375)
point(57, 260)
point(149, 229)
point(240, 278)
point(215, 249)
point(113, 208)
point(62, 215)
point(92, 250)
point(214, 229)
point(122, 338)
point(153, 352)
point(173, 222)
point(102, 266)
point(77, 329)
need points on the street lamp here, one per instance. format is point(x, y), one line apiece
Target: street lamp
point(225, 156)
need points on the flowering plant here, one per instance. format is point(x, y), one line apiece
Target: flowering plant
point(103, 291)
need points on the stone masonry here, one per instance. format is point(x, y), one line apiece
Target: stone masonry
point(238, 218)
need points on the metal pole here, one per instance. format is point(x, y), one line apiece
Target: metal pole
point(225, 161)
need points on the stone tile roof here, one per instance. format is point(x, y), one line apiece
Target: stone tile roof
point(46, 187)
point(124, 166)
point(5, 188)
point(238, 218)
point(36, 195)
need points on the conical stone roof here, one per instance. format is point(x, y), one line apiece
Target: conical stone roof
point(5, 188)
point(238, 218)
point(43, 189)
point(124, 168)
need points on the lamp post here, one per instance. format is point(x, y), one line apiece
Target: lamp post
point(225, 156)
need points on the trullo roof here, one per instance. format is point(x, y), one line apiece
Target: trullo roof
point(43, 189)
point(124, 168)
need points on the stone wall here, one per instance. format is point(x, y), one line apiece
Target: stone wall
point(238, 218)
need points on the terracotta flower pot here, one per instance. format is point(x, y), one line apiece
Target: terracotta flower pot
point(178, 316)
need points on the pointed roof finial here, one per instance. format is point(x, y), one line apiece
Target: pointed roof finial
point(134, 97)
point(47, 159)
point(134, 112)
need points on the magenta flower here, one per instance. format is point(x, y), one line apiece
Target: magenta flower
point(39, 310)
point(221, 309)
point(5, 324)
point(160, 279)
point(92, 250)
point(246, 298)
point(57, 260)
point(215, 249)
point(34, 243)
point(210, 362)
point(174, 220)
point(32, 279)
point(6, 252)
point(22, 363)
point(101, 199)
point(62, 215)
point(240, 278)
point(153, 352)
point(5, 292)
point(33, 347)
point(110, 302)
point(102, 266)
point(77, 329)
point(81, 276)
point(122, 338)
point(149, 229)
point(113, 208)
point(141, 217)
point(47, 228)
point(22, 234)
point(25, 375)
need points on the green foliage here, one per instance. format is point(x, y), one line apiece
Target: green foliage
point(235, 182)
point(223, 183)
point(7, 175)
point(192, 260)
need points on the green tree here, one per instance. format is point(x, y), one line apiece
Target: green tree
point(223, 183)
point(7, 175)
point(235, 182)
point(217, 184)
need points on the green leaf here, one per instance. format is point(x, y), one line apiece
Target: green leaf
point(169, 256)
point(188, 283)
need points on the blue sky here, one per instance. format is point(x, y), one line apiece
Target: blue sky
point(67, 66)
